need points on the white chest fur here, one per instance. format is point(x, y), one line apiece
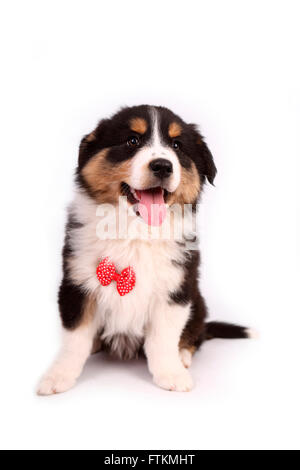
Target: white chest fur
point(155, 263)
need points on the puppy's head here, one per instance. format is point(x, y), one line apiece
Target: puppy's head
point(149, 155)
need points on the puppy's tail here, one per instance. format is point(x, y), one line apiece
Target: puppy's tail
point(215, 329)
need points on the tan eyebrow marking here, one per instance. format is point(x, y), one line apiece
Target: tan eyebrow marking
point(138, 125)
point(174, 130)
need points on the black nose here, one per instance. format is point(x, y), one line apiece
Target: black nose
point(161, 167)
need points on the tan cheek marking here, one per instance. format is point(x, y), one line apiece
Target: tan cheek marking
point(189, 187)
point(174, 130)
point(138, 125)
point(104, 179)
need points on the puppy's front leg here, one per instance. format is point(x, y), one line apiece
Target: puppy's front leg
point(76, 348)
point(162, 347)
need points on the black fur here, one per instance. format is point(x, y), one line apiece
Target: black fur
point(70, 300)
point(193, 333)
point(190, 283)
point(72, 224)
point(114, 133)
point(216, 329)
point(70, 296)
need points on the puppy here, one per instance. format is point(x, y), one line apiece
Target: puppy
point(130, 260)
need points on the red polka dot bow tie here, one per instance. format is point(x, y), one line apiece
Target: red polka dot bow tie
point(106, 272)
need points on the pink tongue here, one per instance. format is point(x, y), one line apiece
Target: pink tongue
point(152, 206)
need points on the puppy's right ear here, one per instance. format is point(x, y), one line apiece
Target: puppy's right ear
point(92, 143)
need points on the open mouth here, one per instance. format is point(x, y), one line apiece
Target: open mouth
point(151, 203)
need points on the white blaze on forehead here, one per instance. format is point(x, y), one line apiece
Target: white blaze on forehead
point(156, 138)
point(156, 148)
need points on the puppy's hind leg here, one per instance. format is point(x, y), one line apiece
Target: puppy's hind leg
point(75, 350)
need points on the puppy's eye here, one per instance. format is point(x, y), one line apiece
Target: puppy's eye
point(133, 141)
point(176, 144)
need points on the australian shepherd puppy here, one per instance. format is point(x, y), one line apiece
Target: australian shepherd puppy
point(130, 259)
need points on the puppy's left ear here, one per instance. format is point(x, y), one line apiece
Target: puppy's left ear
point(205, 162)
point(210, 169)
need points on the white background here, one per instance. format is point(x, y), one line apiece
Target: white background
point(233, 68)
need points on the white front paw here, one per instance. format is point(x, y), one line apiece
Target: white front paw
point(55, 382)
point(179, 381)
